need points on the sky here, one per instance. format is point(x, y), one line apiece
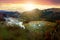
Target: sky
point(19, 4)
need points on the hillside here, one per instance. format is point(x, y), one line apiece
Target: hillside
point(39, 25)
point(51, 14)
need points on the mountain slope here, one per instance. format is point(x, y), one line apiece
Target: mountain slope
point(51, 14)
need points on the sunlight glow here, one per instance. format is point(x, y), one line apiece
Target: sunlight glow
point(25, 7)
point(29, 6)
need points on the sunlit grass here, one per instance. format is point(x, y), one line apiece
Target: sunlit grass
point(16, 33)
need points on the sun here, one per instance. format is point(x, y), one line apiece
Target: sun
point(29, 6)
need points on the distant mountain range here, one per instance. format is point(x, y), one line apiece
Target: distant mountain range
point(36, 14)
point(9, 13)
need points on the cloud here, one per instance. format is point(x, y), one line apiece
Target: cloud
point(48, 2)
point(45, 2)
point(10, 1)
point(55, 2)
